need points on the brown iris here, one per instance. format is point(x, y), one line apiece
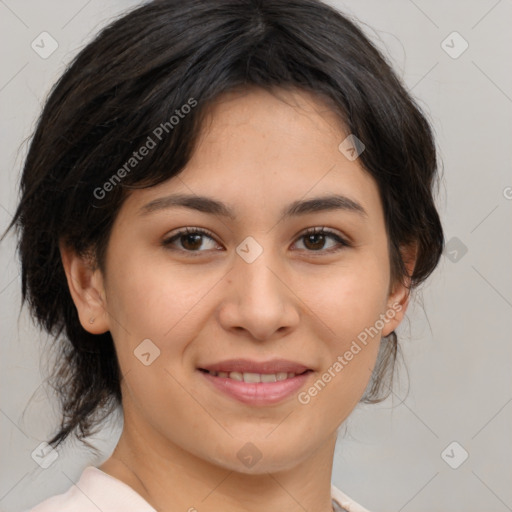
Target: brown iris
point(317, 239)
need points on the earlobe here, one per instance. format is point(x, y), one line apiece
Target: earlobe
point(396, 308)
point(85, 285)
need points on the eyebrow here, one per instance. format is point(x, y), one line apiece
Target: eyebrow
point(212, 206)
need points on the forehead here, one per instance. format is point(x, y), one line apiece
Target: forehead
point(258, 149)
point(281, 118)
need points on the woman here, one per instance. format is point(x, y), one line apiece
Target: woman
point(225, 207)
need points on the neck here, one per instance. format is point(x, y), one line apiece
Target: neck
point(171, 479)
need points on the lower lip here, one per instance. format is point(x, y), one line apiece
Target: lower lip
point(258, 393)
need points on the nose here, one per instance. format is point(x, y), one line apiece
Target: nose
point(258, 300)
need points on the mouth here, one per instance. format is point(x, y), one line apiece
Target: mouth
point(256, 383)
point(253, 377)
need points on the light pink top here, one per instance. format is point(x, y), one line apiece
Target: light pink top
point(97, 490)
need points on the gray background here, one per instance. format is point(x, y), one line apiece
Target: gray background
point(457, 340)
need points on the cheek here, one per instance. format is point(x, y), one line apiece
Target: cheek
point(150, 299)
point(164, 306)
point(350, 306)
point(353, 297)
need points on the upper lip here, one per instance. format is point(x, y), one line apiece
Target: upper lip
point(249, 366)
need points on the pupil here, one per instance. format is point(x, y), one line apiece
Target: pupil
point(196, 241)
point(314, 236)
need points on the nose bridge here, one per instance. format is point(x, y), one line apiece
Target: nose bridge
point(253, 267)
point(259, 303)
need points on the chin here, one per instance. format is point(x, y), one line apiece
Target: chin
point(260, 457)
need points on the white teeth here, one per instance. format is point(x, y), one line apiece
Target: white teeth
point(254, 377)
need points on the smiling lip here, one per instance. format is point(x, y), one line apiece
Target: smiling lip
point(247, 365)
point(257, 393)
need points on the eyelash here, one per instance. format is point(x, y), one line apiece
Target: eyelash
point(311, 231)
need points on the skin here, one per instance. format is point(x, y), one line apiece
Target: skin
point(298, 300)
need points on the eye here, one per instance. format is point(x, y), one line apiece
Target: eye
point(315, 240)
point(190, 239)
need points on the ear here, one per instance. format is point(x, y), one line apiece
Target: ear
point(85, 283)
point(400, 292)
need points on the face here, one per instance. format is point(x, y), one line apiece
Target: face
point(277, 276)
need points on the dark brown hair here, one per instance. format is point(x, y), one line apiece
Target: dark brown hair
point(139, 72)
